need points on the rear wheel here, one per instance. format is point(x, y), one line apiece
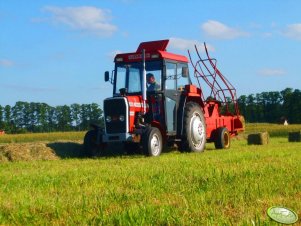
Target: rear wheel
point(152, 142)
point(194, 129)
point(222, 140)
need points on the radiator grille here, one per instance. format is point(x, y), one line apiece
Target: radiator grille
point(114, 108)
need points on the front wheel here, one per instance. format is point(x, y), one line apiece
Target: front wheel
point(131, 148)
point(194, 130)
point(152, 142)
point(91, 146)
point(222, 139)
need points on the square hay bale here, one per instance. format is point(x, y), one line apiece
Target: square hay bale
point(258, 138)
point(294, 136)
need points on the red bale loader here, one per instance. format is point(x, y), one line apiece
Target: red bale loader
point(154, 103)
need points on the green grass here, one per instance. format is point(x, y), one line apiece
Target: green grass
point(275, 130)
point(228, 187)
point(33, 137)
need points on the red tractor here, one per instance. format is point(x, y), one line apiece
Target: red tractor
point(154, 103)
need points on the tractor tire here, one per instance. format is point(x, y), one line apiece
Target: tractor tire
point(194, 129)
point(152, 142)
point(90, 146)
point(222, 140)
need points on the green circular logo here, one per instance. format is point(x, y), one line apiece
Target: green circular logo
point(282, 215)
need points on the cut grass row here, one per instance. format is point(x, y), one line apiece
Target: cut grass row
point(228, 187)
point(275, 130)
point(34, 137)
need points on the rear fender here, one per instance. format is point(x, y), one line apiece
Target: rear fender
point(196, 99)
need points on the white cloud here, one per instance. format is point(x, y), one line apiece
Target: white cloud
point(293, 31)
point(85, 18)
point(271, 72)
point(185, 44)
point(6, 63)
point(218, 30)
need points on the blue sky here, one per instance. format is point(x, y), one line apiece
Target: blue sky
point(57, 51)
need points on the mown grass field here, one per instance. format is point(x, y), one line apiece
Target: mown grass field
point(34, 137)
point(225, 187)
point(275, 130)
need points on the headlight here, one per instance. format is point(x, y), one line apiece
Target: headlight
point(108, 118)
point(121, 118)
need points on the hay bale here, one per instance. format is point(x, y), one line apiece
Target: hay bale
point(294, 136)
point(26, 152)
point(258, 138)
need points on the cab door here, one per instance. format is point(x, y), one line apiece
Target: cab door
point(175, 81)
point(172, 97)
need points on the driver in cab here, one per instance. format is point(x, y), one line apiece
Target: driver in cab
point(152, 85)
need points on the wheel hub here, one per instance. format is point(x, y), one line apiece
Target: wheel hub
point(197, 130)
point(155, 144)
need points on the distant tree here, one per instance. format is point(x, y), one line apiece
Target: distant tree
point(242, 105)
point(8, 127)
point(1, 118)
point(84, 116)
point(251, 108)
point(286, 98)
point(50, 119)
point(90, 113)
point(41, 111)
point(32, 116)
point(95, 114)
point(273, 107)
point(76, 115)
point(26, 116)
point(63, 118)
point(295, 108)
point(17, 114)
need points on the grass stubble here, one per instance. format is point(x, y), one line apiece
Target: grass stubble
point(217, 187)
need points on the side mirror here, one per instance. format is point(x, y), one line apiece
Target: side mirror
point(185, 72)
point(107, 76)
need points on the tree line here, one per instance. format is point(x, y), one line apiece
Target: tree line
point(40, 117)
point(272, 107)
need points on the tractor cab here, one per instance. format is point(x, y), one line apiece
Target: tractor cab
point(166, 75)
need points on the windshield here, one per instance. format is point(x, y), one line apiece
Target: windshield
point(129, 75)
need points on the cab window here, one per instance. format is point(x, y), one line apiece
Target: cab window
point(181, 81)
point(170, 82)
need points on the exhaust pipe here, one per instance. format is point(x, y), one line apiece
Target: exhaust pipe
point(143, 82)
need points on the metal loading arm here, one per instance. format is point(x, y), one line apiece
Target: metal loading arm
point(218, 87)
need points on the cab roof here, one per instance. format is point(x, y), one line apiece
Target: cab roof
point(153, 50)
